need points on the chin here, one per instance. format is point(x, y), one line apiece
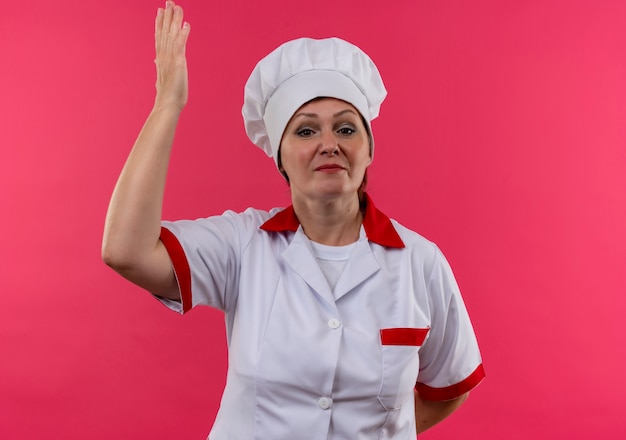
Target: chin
point(333, 191)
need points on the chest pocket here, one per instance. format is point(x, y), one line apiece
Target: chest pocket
point(400, 364)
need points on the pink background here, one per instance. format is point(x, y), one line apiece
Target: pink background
point(503, 139)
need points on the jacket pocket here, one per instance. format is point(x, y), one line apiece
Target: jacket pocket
point(403, 336)
point(400, 364)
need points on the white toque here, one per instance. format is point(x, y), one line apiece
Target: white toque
point(299, 71)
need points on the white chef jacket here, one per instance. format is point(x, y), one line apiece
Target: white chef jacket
point(308, 363)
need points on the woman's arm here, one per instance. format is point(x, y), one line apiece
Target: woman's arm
point(131, 244)
point(428, 412)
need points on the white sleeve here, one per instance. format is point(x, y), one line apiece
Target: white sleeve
point(450, 360)
point(206, 255)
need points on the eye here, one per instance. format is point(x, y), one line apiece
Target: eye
point(305, 132)
point(346, 130)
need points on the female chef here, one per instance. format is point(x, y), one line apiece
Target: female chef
point(341, 323)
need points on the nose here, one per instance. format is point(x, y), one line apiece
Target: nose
point(329, 143)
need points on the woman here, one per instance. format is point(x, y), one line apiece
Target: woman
point(341, 323)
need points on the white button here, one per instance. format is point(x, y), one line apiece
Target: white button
point(324, 402)
point(334, 323)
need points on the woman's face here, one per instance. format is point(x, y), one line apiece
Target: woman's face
point(325, 150)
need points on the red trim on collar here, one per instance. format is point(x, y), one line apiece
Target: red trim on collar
point(284, 220)
point(378, 226)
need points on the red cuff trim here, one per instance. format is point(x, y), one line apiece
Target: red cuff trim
point(403, 336)
point(181, 266)
point(452, 391)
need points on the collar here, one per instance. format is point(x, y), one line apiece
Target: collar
point(378, 226)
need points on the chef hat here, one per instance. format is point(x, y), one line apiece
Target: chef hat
point(299, 71)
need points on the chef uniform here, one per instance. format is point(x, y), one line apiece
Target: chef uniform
point(323, 343)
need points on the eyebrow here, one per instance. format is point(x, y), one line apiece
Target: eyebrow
point(336, 115)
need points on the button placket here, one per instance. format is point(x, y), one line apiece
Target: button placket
point(334, 323)
point(325, 402)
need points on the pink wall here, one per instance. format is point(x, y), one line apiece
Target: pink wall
point(503, 139)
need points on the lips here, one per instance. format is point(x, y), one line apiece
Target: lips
point(330, 166)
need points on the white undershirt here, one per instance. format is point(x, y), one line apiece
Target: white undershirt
point(332, 260)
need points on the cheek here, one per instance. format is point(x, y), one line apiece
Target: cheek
point(293, 159)
point(365, 160)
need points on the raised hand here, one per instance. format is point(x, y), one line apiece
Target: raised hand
point(131, 244)
point(171, 64)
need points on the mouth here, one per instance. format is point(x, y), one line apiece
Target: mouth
point(329, 167)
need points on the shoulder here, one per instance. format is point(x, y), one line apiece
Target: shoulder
point(413, 241)
point(422, 251)
point(250, 218)
point(230, 226)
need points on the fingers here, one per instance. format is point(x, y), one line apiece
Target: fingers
point(166, 24)
point(171, 63)
point(158, 29)
point(177, 19)
point(170, 32)
point(181, 41)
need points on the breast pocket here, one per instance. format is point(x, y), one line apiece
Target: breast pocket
point(400, 364)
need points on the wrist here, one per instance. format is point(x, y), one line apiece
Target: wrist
point(167, 107)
